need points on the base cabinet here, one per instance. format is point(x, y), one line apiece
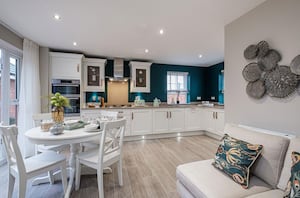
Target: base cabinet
point(194, 119)
point(141, 122)
point(215, 121)
point(168, 120)
point(176, 120)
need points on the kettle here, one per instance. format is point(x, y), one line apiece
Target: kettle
point(156, 102)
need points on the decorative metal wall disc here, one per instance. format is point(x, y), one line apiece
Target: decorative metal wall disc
point(252, 72)
point(270, 60)
point(256, 89)
point(281, 82)
point(263, 48)
point(251, 52)
point(295, 65)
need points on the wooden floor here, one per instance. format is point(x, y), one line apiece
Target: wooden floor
point(148, 170)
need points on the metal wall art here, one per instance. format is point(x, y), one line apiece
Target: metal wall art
point(265, 76)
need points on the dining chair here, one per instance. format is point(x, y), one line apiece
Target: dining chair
point(106, 155)
point(24, 169)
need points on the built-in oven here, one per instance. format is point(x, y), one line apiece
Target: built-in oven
point(71, 90)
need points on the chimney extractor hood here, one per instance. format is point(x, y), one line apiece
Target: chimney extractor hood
point(118, 69)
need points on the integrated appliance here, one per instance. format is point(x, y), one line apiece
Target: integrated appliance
point(71, 90)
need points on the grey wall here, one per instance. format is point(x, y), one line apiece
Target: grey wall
point(277, 22)
point(10, 37)
point(44, 78)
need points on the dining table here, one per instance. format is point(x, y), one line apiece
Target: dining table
point(71, 137)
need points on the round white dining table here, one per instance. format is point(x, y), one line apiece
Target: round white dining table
point(72, 137)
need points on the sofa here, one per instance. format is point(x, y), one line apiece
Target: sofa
point(269, 174)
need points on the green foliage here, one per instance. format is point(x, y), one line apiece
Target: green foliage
point(58, 100)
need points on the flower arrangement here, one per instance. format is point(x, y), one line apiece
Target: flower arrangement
point(58, 102)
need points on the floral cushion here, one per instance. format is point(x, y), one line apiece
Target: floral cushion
point(293, 186)
point(235, 157)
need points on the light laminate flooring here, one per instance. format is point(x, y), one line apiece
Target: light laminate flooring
point(149, 170)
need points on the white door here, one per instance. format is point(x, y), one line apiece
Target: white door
point(219, 122)
point(160, 121)
point(141, 122)
point(194, 119)
point(209, 120)
point(127, 115)
point(176, 120)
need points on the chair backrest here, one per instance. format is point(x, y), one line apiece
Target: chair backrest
point(111, 140)
point(39, 117)
point(9, 136)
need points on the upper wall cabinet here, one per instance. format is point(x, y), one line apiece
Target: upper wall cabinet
point(140, 77)
point(94, 74)
point(65, 65)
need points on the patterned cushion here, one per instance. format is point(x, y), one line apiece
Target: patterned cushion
point(293, 186)
point(235, 157)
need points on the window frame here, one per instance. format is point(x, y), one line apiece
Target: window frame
point(178, 91)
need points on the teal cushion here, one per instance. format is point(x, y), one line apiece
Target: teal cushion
point(235, 157)
point(293, 186)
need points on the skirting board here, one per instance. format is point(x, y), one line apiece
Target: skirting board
point(162, 135)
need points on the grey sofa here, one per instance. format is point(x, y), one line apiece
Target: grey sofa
point(270, 173)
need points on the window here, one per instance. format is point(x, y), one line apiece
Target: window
point(221, 87)
point(9, 89)
point(177, 87)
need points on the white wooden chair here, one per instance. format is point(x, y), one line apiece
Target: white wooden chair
point(106, 155)
point(23, 169)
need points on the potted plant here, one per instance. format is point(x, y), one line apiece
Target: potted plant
point(58, 102)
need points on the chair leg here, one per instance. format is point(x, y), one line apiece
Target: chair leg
point(78, 175)
point(22, 187)
point(50, 176)
point(11, 183)
point(120, 174)
point(100, 183)
point(64, 177)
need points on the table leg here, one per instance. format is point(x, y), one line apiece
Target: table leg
point(74, 149)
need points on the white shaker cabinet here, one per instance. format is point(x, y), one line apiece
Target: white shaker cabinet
point(65, 65)
point(94, 74)
point(215, 121)
point(168, 120)
point(141, 122)
point(194, 119)
point(140, 76)
point(126, 113)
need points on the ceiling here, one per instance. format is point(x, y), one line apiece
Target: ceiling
point(116, 28)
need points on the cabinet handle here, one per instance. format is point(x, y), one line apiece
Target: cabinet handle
point(101, 82)
point(132, 116)
point(213, 115)
point(77, 67)
point(167, 115)
point(216, 115)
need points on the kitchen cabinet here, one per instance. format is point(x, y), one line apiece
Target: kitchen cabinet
point(65, 65)
point(215, 121)
point(141, 122)
point(126, 113)
point(140, 76)
point(168, 120)
point(194, 119)
point(94, 74)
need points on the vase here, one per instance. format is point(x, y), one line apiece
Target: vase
point(58, 115)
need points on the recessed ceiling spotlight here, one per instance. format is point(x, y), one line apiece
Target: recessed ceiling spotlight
point(146, 50)
point(57, 17)
point(161, 31)
point(200, 56)
point(74, 43)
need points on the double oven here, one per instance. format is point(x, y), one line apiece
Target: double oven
point(71, 90)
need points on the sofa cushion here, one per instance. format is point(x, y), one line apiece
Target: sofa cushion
point(293, 186)
point(286, 170)
point(268, 194)
point(235, 157)
point(203, 180)
point(268, 165)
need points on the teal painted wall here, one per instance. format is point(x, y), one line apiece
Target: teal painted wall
point(211, 82)
point(202, 82)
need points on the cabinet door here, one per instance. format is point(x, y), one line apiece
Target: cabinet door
point(127, 115)
point(176, 120)
point(194, 119)
point(141, 122)
point(94, 77)
point(65, 66)
point(160, 121)
point(140, 77)
point(219, 122)
point(209, 120)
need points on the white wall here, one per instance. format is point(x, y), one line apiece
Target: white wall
point(277, 22)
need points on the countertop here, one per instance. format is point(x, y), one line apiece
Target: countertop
point(150, 106)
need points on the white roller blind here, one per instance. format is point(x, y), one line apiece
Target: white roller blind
point(177, 81)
